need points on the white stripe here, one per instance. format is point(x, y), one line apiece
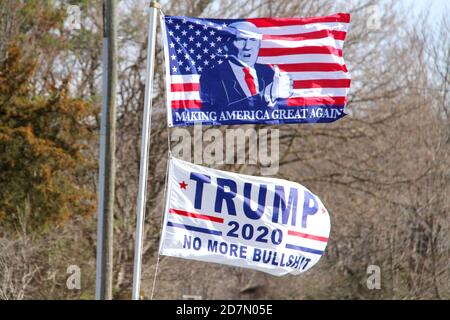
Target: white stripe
point(240, 77)
point(185, 95)
point(294, 76)
point(320, 92)
point(301, 58)
point(319, 75)
point(328, 41)
point(338, 26)
point(188, 78)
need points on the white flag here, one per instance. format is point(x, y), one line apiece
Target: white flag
point(272, 225)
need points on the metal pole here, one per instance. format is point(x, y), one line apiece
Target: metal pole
point(145, 146)
point(107, 156)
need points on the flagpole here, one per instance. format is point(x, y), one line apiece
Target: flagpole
point(145, 146)
point(107, 159)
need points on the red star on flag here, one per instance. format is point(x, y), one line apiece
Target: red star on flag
point(183, 185)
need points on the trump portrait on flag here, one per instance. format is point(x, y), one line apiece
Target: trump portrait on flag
point(240, 82)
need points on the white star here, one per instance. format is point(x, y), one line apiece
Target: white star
point(188, 68)
point(213, 56)
point(226, 56)
point(184, 21)
point(220, 61)
point(197, 33)
point(191, 27)
point(205, 27)
point(178, 39)
point(174, 69)
point(219, 27)
point(224, 25)
point(212, 32)
point(170, 20)
point(186, 56)
point(205, 50)
point(205, 38)
point(173, 57)
point(191, 38)
point(219, 38)
point(178, 50)
point(184, 44)
point(170, 33)
point(197, 21)
point(219, 50)
point(212, 44)
point(193, 62)
point(184, 32)
point(172, 45)
point(210, 23)
point(180, 62)
point(191, 51)
point(206, 62)
point(198, 44)
point(177, 26)
point(199, 57)
point(200, 69)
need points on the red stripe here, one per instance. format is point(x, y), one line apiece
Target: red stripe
point(281, 22)
point(268, 52)
point(307, 236)
point(196, 215)
point(322, 83)
point(186, 104)
point(176, 87)
point(312, 66)
point(338, 35)
point(314, 101)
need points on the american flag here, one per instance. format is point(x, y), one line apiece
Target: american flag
point(308, 49)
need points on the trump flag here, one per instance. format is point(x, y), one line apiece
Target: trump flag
point(258, 70)
point(267, 224)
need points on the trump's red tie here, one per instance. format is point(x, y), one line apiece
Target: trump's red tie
point(250, 81)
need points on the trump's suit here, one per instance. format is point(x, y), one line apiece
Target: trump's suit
point(219, 88)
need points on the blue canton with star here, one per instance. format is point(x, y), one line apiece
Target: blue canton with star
point(196, 45)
